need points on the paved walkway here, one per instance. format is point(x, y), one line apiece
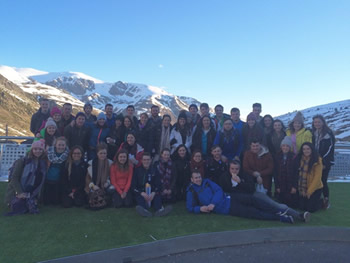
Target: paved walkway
point(287, 244)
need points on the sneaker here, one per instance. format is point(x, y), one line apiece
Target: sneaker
point(283, 213)
point(326, 205)
point(164, 211)
point(286, 219)
point(143, 212)
point(305, 217)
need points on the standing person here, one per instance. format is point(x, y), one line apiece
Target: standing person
point(181, 133)
point(41, 115)
point(128, 126)
point(203, 136)
point(56, 115)
point(216, 165)
point(28, 176)
point(238, 124)
point(121, 172)
point(258, 163)
point(78, 133)
point(198, 163)
point(164, 169)
point(49, 133)
point(204, 110)
point(257, 110)
point(90, 119)
point(195, 117)
point(229, 141)
point(252, 130)
point(298, 133)
point(57, 155)
point(323, 140)
point(73, 179)
point(134, 149)
point(154, 119)
point(97, 181)
point(181, 170)
point(160, 137)
point(145, 178)
point(130, 111)
point(143, 133)
point(309, 165)
point(67, 117)
point(275, 138)
point(219, 117)
point(115, 137)
point(110, 115)
point(99, 133)
point(285, 177)
point(266, 123)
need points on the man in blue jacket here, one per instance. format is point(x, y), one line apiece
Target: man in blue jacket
point(205, 196)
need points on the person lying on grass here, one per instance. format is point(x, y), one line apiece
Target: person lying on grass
point(204, 196)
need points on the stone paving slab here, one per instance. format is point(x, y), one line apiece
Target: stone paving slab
point(202, 242)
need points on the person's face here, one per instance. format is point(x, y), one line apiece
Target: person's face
point(219, 112)
point(80, 121)
point(143, 119)
point(318, 124)
point(206, 123)
point(118, 123)
point(122, 158)
point(130, 139)
point(257, 111)
point(44, 105)
point(193, 111)
point(101, 122)
point(297, 125)
point(251, 123)
point(228, 125)
point(204, 111)
point(307, 151)
point(234, 169)
point(130, 111)
point(277, 126)
point(88, 110)
point(51, 130)
point(67, 110)
point(166, 122)
point(102, 154)
point(60, 146)
point(182, 152)
point(127, 123)
point(267, 122)
point(197, 157)
point(146, 161)
point(37, 152)
point(196, 178)
point(165, 156)
point(255, 147)
point(182, 122)
point(109, 110)
point(285, 148)
point(235, 116)
point(57, 117)
point(76, 155)
point(155, 111)
point(216, 153)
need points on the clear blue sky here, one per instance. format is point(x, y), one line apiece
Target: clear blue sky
point(286, 54)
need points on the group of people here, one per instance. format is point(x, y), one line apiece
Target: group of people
point(216, 163)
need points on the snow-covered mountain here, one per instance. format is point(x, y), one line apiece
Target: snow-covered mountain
point(337, 115)
point(79, 88)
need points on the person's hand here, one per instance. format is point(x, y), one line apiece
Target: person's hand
point(211, 207)
point(22, 195)
point(278, 190)
point(38, 135)
point(144, 195)
point(256, 173)
point(151, 196)
point(293, 190)
point(165, 192)
point(123, 195)
point(95, 187)
point(71, 195)
point(236, 178)
point(259, 180)
point(223, 158)
point(132, 159)
point(204, 209)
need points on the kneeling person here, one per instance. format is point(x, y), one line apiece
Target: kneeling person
point(147, 186)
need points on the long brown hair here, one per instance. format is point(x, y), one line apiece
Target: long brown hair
point(70, 158)
point(125, 166)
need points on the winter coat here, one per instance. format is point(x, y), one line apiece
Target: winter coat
point(314, 178)
point(98, 134)
point(285, 176)
point(117, 135)
point(143, 135)
point(91, 176)
point(77, 136)
point(142, 176)
point(176, 140)
point(197, 140)
point(246, 186)
point(155, 137)
point(215, 169)
point(303, 135)
point(205, 194)
point(36, 121)
point(121, 180)
point(137, 153)
point(230, 145)
point(76, 180)
point(256, 132)
point(325, 148)
point(274, 142)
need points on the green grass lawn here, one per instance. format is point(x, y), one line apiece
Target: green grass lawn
point(58, 232)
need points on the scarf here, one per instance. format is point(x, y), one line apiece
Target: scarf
point(33, 176)
point(164, 169)
point(303, 174)
point(100, 172)
point(55, 157)
point(164, 139)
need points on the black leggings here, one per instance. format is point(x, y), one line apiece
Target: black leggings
point(311, 204)
point(325, 173)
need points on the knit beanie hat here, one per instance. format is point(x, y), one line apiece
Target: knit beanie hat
point(80, 114)
point(251, 117)
point(287, 141)
point(299, 117)
point(50, 122)
point(193, 105)
point(101, 115)
point(55, 110)
point(39, 144)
